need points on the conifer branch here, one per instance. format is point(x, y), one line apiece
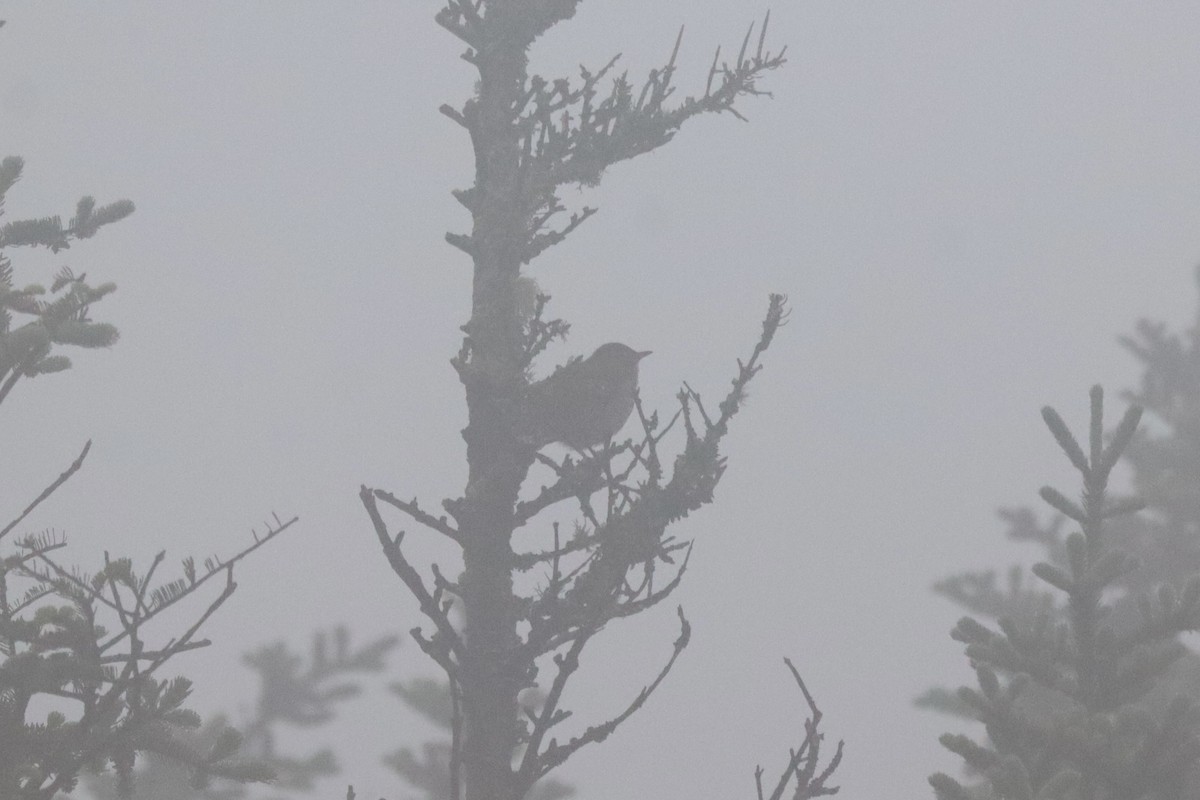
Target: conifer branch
point(541, 242)
point(179, 590)
point(570, 134)
point(183, 641)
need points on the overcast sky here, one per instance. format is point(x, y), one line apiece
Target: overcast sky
point(965, 202)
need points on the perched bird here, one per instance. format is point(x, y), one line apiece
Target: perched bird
point(584, 403)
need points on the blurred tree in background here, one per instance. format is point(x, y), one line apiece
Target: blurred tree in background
point(1163, 542)
point(79, 677)
point(294, 692)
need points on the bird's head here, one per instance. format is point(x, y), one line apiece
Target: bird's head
point(615, 355)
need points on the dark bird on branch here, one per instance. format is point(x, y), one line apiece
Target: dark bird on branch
point(584, 403)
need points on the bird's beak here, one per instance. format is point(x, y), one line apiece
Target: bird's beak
point(643, 353)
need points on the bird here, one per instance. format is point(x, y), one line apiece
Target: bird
point(584, 403)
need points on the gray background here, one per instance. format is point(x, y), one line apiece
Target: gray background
point(966, 202)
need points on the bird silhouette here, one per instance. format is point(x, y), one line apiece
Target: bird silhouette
point(584, 403)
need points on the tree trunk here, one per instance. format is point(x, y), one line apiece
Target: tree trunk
point(497, 463)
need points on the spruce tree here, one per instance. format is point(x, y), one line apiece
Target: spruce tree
point(1065, 689)
point(1164, 457)
point(529, 616)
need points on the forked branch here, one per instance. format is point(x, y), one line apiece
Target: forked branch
point(804, 760)
point(434, 605)
point(535, 765)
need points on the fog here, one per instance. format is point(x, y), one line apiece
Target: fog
point(965, 205)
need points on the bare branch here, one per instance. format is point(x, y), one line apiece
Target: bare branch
point(412, 579)
point(620, 127)
point(530, 769)
point(153, 655)
point(412, 508)
point(804, 760)
point(462, 242)
point(556, 754)
point(49, 490)
point(454, 114)
point(579, 543)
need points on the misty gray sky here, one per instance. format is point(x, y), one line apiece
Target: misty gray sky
point(966, 203)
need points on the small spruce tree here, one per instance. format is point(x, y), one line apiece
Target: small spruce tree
point(1164, 457)
point(1063, 691)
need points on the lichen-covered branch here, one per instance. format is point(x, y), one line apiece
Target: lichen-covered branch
point(570, 133)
